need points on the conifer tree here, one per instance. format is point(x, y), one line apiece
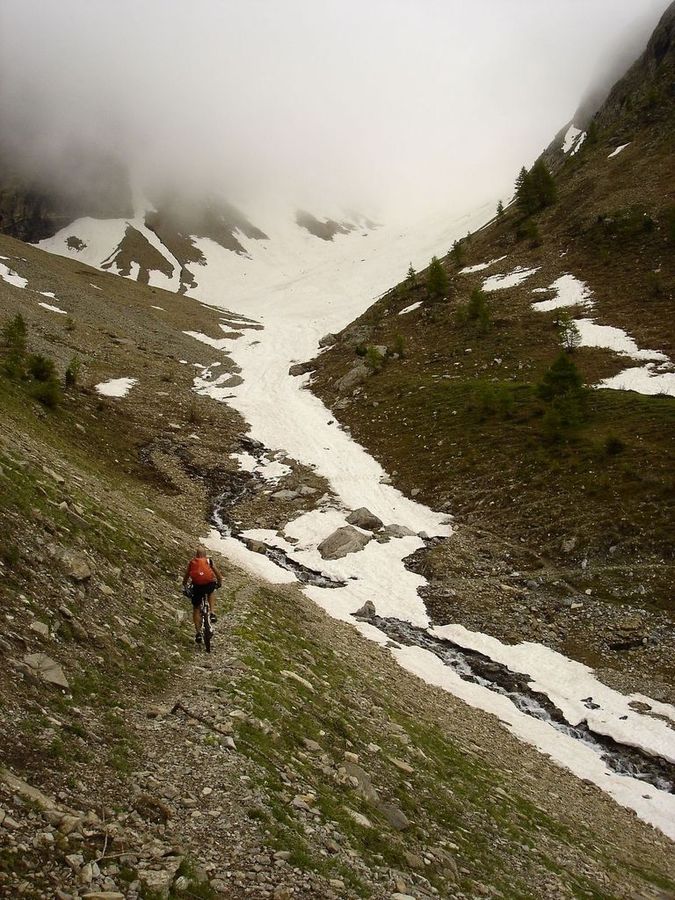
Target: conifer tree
point(411, 276)
point(543, 184)
point(500, 209)
point(437, 278)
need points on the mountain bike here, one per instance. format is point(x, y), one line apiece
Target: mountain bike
point(207, 631)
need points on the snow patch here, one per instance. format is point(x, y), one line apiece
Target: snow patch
point(56, 309)
point(116, 387)
point(12, 277)
point(467, 270)
point(617, 151)
point(611, 338)
point(642, 380)
point(511, 279)
point(569, 291)
point(410, 308)
point(269, 469)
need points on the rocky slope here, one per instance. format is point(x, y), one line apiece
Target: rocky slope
point(566, 539)
point(316, 766)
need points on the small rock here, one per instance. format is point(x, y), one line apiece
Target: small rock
point(40, 628)
point(402, 765)
point(285, 495)
point(299, 679)
point(367, 611)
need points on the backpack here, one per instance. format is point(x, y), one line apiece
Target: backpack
point(201, 571)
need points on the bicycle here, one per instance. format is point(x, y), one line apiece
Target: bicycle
point(206, 630)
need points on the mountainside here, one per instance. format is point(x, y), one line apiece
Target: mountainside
point(443, 659)
point(443, 391)
point(307, 748)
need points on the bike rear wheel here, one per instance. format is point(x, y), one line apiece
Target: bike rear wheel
point(207, 631)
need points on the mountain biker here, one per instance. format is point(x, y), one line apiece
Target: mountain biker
point(205, 579)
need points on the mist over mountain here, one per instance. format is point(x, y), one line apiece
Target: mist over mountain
point(386, 107)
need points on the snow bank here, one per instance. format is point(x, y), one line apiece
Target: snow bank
point(572, 135)
point(569, 291)
point(611, 338)
point(642, 380)
point(651, 805)
point(511, 279)
point(116, 387)
point(56, 309)
point(11, 277)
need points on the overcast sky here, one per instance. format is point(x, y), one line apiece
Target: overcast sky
point(389, 105)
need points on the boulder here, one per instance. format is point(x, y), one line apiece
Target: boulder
point(285, 495)
point(77, 565)
point(356, 375)
point(362, 782)
point(328, 340)
point(301, 368)
point(398, 531)
point(343, 541)
point(47, 668)
point(367, 611)
point(363, 518)
point(394, 815)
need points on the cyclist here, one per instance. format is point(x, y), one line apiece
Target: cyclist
point(205, 579)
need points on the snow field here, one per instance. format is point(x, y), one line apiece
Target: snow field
point(511, 279)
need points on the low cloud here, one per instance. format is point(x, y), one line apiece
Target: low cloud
point(393, 106)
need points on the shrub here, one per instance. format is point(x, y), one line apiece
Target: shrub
point(73, 372)
point(437, 278)
point(570, 337)
point(41, 368)
point(613, 445)
point(399, 345)
point(500, 209)
point(374, 359)
point(47, 392)
point(492, 400)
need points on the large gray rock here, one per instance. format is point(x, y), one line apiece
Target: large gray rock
point(356, 375)
point(285, 495)
point(398, 531)
point(343, 541)
point(394, 815)
point(363, 518)
point(47, 668)
point(366, 612)
point(328, 340)
point(362, 783)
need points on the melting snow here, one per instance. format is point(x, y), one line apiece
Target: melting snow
point(642, 380)
point(574, 138)
point(116, 387)
point(511, 279)
point(618, 150)
point(611, 338)
point(410, 308)
point(467, 270)
point(270, 469)
point(11, 277)
point(569, 291)
point(56, 309)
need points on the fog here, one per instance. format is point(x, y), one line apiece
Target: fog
point(390, 106)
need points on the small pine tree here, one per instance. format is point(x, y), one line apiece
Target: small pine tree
point(399, 346)
point(591, 135)
point(563, 379)
point(525, 194)
point(14, 343)
point(437, 278)
point(477, 310)
point(457, 253)
point(374, 359)
point(411, 277)
point(543, 184)
point(72, 372)
point(570, 336)
point(500, 209)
